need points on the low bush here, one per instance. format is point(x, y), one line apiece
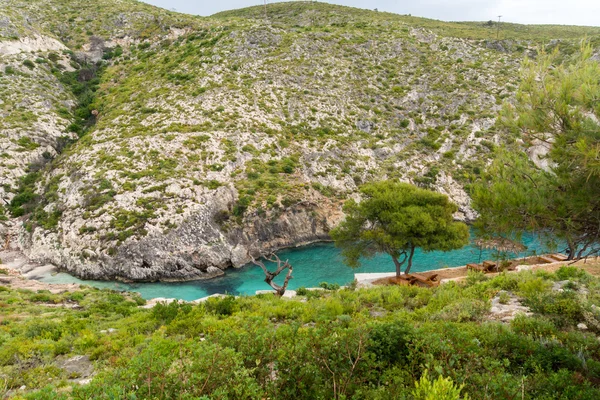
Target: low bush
point(389, 342)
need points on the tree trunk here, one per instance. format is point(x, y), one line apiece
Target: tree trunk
point(398, 265)
point(410, 257)
point(572, 250)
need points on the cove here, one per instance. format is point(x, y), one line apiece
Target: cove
point(312, 265)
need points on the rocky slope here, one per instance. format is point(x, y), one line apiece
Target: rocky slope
point(205, 141)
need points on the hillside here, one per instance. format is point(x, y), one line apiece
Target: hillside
point(142, 144)
point(303, 14)
point(526, 335)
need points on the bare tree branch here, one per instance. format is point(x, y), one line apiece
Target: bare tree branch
point(270, 276)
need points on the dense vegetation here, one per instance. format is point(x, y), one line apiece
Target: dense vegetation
point(361, 344)
point(554, 187)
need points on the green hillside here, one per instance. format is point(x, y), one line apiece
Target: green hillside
point(143, 144)
point(75, 21)
point(139, 144)
point(323, 14)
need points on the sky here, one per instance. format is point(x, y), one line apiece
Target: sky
point(565, 12)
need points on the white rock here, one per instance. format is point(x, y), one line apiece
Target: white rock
point(30, 44)
point(203, 299)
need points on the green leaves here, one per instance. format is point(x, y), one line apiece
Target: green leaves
point(556, 189)
point(396, 218)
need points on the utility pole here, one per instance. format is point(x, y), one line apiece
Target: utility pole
point(498, 30)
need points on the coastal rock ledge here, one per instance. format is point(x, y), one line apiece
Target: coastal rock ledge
point(200, 248)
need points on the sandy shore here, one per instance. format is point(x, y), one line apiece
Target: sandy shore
point(13, 279)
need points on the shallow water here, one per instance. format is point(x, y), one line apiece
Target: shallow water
point(312, 265)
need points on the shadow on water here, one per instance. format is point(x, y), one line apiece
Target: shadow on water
point(312, 265)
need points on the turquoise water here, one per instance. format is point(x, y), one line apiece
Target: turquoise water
point(312, 265)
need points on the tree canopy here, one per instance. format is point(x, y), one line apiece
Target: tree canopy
point(396, 218)
point(548, 181)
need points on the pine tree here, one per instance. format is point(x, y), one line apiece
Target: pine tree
point(396, 218)
point(557, 108)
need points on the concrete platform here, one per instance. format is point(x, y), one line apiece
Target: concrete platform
point(287, 295)
point(364, 280)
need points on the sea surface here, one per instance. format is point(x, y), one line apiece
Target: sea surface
point(312, 265)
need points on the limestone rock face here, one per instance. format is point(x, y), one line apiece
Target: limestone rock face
point(198, 249)
point(34, 108)
point(448, 186)
point(31, 45)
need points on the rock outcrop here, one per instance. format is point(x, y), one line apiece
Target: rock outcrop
point(200, 248)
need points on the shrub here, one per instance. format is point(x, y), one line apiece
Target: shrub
point(42, 328)
point(224, 307)
point(301, 291)
point(29, 64)
point(329, 286)
point(389, 342)
point(463, 310)
point(167, 369)
point(27, 143)
point(570, 272)
point(474, 277)
point(533, 326)
point(503, 281)
point(167, 312)
point(440, 389)
point(504, 298)
point(242, 205)
point(533, 288)
point(563, 308)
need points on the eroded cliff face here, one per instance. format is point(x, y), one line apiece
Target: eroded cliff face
point(200, 248)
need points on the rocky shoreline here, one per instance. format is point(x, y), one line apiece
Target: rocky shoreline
point(200, 248)
point(18, 273)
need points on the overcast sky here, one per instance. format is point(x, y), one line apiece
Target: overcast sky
point(567, 12)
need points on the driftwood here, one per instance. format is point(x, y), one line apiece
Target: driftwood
point(269, 276)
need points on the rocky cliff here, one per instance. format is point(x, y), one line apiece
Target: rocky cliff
point(141, 144)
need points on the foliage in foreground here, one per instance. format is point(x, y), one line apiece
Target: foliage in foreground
point(383, 343)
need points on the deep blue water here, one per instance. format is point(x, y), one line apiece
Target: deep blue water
point(312, 265)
